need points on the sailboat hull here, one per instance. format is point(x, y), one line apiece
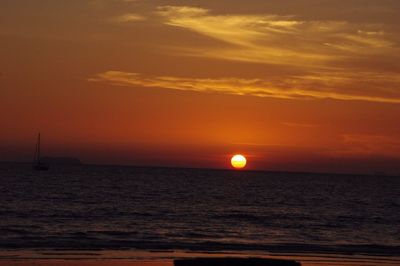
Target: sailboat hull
point(41, 167)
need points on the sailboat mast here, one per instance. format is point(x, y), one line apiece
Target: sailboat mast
point(39, 166)
point(38, 148)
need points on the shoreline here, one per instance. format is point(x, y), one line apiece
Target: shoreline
point(165, 258)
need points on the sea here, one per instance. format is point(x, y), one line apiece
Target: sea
point(93, 207)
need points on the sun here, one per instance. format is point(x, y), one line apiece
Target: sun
point(238, 161)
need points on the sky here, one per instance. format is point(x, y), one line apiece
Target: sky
point(300, 85)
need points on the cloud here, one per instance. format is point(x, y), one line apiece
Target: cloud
point(321, 59)
point(276, 39)
point(297, 88)
point(129, 17)
point(368, 145)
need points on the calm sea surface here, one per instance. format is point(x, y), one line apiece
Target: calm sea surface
point(91, 207)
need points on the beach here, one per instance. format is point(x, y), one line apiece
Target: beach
point(60, 262)
point(148, 258)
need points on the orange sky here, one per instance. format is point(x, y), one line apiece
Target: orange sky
point(302, 86)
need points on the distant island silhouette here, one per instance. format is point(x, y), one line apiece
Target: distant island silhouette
point(61, 160)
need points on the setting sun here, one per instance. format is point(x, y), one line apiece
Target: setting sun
point(238, 161)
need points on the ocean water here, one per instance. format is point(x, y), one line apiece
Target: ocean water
point(110, 207)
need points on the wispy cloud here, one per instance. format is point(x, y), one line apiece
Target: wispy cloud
point(368, 145)
point(277, 39)
point(129, 17)
point(289, 88)
point(325, 58)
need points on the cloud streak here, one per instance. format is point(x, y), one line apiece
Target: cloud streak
point(283, 40)
point(368, 145)
point(296, 88)
point(321, 59)
point(129, 17)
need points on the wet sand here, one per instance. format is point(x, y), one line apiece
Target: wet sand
point(148, 258)
point(127, 262)
point(105, 262)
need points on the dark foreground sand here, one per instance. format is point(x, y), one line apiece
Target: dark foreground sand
point(106, 262)
point(129, 258)
point(127, 262)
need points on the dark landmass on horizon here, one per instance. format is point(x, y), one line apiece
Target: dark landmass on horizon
point(61, 160)
point(75, 161)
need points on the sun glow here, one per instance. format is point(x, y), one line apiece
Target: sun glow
point(238, 161)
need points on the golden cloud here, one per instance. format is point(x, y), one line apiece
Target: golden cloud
point(300, 87)
point(277, 39)
point(129, 17)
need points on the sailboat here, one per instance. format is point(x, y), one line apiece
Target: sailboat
point(37, 164)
